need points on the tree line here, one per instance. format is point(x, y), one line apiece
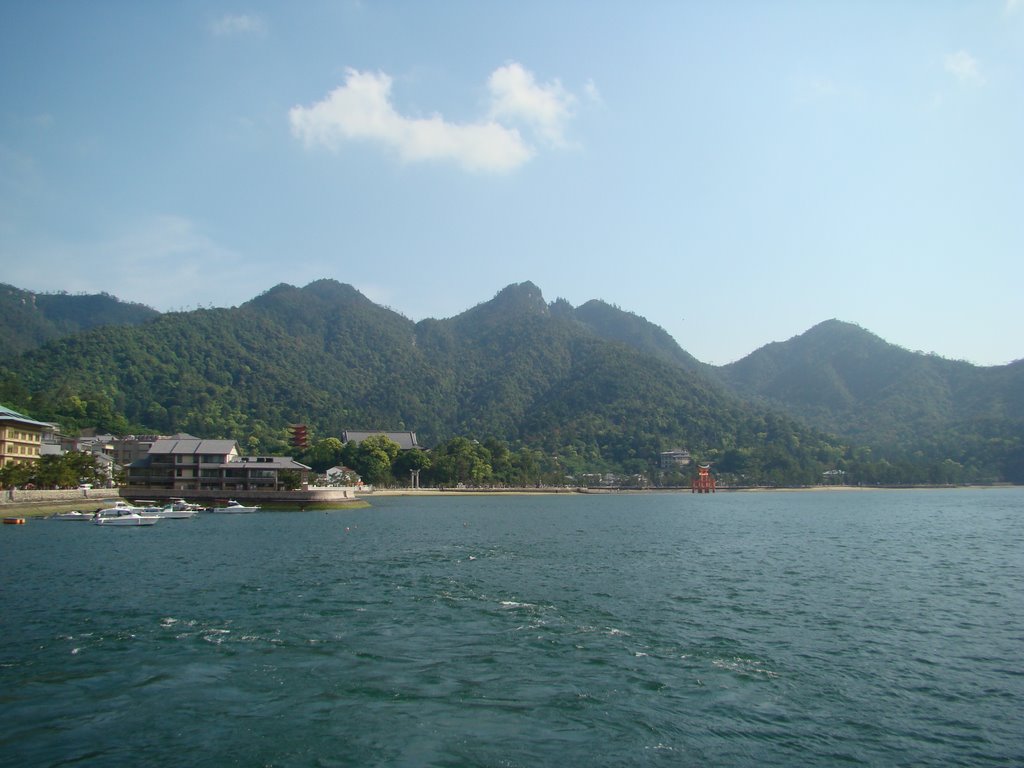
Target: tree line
point(465, 461)
point(378, 460)
point(68, 470)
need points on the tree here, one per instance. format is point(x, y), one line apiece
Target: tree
point(408, 461)
point(372, 458)
point(461, 460)
point(67, 470)
point(325, 454)
point(526, 466)
point(289, 479)
point(15, 475)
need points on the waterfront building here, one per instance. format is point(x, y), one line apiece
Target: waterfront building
point(184, 463)
point(20, 437)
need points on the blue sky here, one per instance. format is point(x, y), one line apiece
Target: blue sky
point(735, 172)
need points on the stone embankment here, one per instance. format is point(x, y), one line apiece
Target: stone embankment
point(43, 502)
point(21, 497)
point(307, 495)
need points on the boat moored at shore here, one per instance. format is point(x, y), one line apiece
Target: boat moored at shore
point(117, 507)
point(126, 519)
point(171, 512)
point(74, 514)
point(234, 507)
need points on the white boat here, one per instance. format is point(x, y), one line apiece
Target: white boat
point(121, 513)
point(72, 515)
point(126, 519)
point(171, 512)
point(181, 504)
point(234, 507)
point(118, 507)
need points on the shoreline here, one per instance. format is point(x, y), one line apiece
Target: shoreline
point(427, 492)
point(37, 509)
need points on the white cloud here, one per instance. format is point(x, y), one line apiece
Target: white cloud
point(1012, 6)
point(964, 68)
point(362, 109)
point(592, 93)
point(242, 24)
point(517, 96)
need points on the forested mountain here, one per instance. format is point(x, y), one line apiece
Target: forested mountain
point(613, 324)
point(28, 320)
point(840, 378)
point(594, 386)
point(324, 355)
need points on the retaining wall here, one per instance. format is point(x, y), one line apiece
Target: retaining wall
point(20, 496)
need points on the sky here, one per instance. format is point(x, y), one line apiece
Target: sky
point(735, 172)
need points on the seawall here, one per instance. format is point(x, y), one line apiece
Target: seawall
point(89, 498)
point(20, 496)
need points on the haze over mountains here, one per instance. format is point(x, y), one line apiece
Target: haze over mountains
point(31, 319)
point(593, 384)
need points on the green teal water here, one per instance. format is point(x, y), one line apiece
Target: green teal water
point(767, 629)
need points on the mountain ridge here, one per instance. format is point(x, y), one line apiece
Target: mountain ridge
point(58, 306)
point(843, 379)
point(29, 319)
point(593, 379)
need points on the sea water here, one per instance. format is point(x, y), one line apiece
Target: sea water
point(812, 628)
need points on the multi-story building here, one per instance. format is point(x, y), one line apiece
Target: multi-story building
point(122, 451)
point(20, 437)
point(674, 459)
point(186, 463)
point(129, 449)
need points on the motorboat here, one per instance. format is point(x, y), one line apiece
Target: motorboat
point(72, 515)
point(121, 513)
point(119, 507)
point(126, 519)
point(171, 512)
point(234, 507)
point(180, 504)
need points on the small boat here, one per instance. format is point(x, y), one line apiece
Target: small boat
point(14, 521)
point(234, 507)
point(187, 506)
point(121, 513)
point(118, 507)
point(72, 515)
point(171, 512)
point(126, 519)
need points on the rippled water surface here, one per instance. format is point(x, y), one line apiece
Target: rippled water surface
point(815, 628)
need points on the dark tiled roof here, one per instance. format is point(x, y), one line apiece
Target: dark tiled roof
point(267, 462)
point(193, 445)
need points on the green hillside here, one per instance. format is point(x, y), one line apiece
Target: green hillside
point(839, 378)
point(324, 355)
point(28, 320)
point(593, 387)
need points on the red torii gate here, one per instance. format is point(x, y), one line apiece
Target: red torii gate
point(703, 482)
